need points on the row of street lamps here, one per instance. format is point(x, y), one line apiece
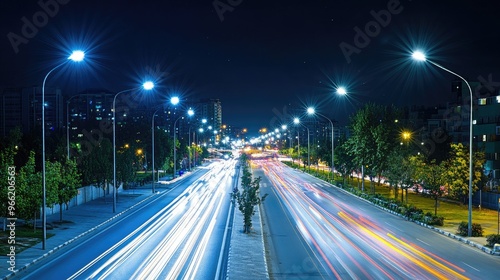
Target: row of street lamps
point(419, 56)
point(78, 56)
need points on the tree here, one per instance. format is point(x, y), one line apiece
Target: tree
point(68, 185)
point(249, 197)
point(373, 136)
point(125, 170)
point(457, 171)
point(396, 171)
point(433, 179)
point(344, 163)
point(28, 190)
point(97, 166)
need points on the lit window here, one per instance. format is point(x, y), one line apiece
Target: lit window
point(474, 122)
point(484, 137)
point(482, 101)
point(498, 98)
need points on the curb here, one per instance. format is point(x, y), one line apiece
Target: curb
point(55, 249)
point(445, 233)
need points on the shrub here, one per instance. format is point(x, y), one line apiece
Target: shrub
point(492, 239)
point(413, 212)
point(463, 229)
point(436, 221)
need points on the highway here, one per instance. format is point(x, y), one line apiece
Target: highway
point(178, 234)
point(335, 235)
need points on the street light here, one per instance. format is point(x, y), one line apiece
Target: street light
point(297, 121)
point(190, 113)
point(75, 56)
point(311, 111)
point(174, 101)
point(420, 56)
point(146, 86)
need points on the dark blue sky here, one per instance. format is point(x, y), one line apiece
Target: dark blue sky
point(263, 55)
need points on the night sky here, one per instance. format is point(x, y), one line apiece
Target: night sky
point(260, 58)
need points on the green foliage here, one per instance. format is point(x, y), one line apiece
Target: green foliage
point(457, 171)
point(463, 229)
point(69, 183)
point(28, 190)
point(431, 176)
point(373, 137)
point(344, 162)
point(248, 197)
point(125, 168)
point(492, 239)
point(433, 220)
point(97, 166)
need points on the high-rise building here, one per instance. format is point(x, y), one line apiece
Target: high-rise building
point(211, 110)
point(487, 131)
point(22, 107)
point(86, 109)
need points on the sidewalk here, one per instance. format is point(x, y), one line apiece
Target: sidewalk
point(79, 221)
point(246, 254)
point(247, 259)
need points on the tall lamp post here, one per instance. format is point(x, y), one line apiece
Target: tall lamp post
point(75, 56)
point(174, 101)
point(311, 111)
point(196, 158)
point(420, 56)
point(153, 149)
point(146, 86)
point(297, 121)
point(190, 113)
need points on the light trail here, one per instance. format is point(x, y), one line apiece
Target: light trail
point(172, 243)
point(346, 240)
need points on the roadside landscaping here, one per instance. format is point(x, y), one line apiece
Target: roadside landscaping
point(451, 216)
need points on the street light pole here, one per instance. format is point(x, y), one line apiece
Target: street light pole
point(147, 86)
point(153, 149)
point(421, 57)
point(76, 56)
point(311, 111)
point(297, 121)
point(189, 148)
point(190, 113)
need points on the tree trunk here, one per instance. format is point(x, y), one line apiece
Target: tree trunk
point(60, 212)
point(436, 206)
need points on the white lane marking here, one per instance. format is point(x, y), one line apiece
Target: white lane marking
point(471, 266)
point(394, 227)
point(424, 242)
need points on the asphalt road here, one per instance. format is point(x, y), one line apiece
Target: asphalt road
point(176, 235)
point(319, 231)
